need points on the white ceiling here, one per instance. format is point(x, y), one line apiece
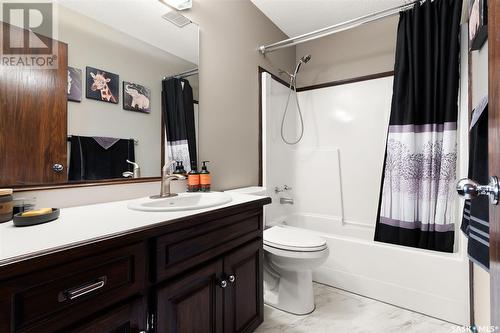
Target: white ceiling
point(142, 19)
point(296, 17)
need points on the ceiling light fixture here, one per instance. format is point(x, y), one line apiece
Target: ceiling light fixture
point(178, 4)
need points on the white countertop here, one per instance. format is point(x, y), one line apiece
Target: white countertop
point(86, 224)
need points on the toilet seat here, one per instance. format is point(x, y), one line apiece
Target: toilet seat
point(288, 239)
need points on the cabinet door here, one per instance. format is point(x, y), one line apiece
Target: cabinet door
point(243, 298)
point(192, 303)
point(128, 318)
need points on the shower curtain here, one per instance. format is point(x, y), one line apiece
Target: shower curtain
point(416, 206)
point(178, 117)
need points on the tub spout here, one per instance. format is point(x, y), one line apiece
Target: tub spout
point(286, 201)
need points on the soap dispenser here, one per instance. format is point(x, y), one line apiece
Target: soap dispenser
point(179, 169)
point(182, 171)
point(193, 179)
point(205, 178)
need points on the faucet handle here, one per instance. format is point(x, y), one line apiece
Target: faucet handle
point(283, 188)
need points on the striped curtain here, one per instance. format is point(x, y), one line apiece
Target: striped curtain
point(417, 201)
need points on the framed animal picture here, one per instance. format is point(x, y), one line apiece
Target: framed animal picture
point(74, 84)
point(102, 85)
point(136, 97)
point(478, 23)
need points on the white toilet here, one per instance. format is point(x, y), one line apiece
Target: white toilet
point(290, 257)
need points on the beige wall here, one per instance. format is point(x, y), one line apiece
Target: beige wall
point(230, 32)
point(364, 50)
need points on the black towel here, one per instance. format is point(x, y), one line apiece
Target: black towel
point(95, 158)
point(475, 222)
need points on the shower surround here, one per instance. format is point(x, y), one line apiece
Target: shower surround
point(335, 175)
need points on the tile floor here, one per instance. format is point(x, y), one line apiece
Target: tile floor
point(342, 312)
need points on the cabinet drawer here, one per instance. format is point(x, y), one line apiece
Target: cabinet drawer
point(186, 248)
point(80, 287)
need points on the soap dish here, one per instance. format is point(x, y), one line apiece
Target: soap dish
point(26, 221)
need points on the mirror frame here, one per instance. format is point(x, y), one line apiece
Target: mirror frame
point(55, 186)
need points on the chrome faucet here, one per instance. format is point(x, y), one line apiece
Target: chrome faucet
point(166, 178)
point(137, 169)
point(135, 174)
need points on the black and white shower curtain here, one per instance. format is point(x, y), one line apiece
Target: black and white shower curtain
point(417, 196)
point(178, 115)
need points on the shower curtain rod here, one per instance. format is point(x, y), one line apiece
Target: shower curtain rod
point(182, 75)
point(333, 29)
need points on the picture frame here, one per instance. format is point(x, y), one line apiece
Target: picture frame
point(136, 97)
point(102, 85)
point(74, 84)
point(478, 23)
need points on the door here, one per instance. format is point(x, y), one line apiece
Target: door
point(243, 297)
point(192, 303)
point(33, 121)
point(494, 151)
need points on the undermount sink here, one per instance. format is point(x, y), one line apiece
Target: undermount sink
point(184, 201)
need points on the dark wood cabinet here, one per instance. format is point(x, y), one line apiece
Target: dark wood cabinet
point(51, 299)
point(127, 318)
point(243, 298)
point(192, 303)
point(200, 274)
point(223, 296)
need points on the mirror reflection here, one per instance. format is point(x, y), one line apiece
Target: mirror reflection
point(121, 100)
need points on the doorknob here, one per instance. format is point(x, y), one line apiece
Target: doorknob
point(57, 167)
point(469, 189)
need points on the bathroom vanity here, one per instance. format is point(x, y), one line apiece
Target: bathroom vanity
point(106, 268)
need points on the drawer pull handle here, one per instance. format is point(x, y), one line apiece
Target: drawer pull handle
point(85, 289)
point(232, 278)
point(223, 283)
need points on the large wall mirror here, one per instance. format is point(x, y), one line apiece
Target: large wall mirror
point(120, 100)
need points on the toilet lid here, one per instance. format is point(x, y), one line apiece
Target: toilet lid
point(293, 239)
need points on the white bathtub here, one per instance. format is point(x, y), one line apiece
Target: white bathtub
point(424, 281)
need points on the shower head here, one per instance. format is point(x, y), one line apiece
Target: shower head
point(304, 60)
